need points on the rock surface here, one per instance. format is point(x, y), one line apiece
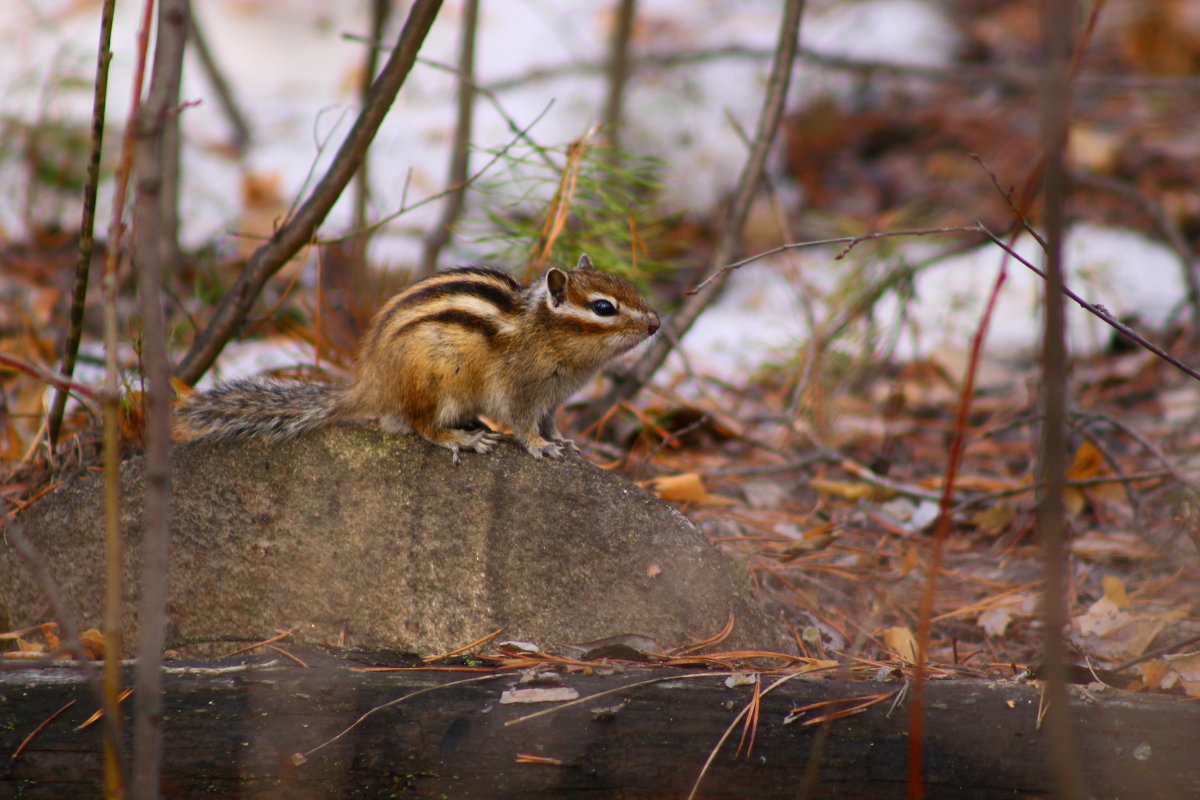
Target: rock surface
point(380, 539)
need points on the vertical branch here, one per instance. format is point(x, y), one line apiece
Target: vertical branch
point(288, 239)
point(439, 236)
point(114, 782)
point(87, 226)
point(618, 73)
point(156, 129)
point(728, 241)
point(380, 11)
point(1058, 25)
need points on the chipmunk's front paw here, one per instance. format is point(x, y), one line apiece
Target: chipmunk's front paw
point(567, 445)
point(541, 448)
point(482, 441)
point(479, 441)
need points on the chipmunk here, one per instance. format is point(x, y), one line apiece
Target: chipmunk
point(460, 344)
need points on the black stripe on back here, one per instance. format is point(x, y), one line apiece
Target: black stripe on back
point(491, 272)
point(500, 298)
point(453, 316)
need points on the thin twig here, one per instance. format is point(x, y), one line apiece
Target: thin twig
point(1168, 229)
point(1113, 462)
point(522, 132)
point(62, 382)
point(1166, 649)
point(1101, 312)
point(941, 532)
point(41, 727)
point(299, 758)
point(113, 547)
point(623, 688)
point(1004, 78)
point(1085, 417)
point(850, 241)
point(1008, 198)
point(87, 227)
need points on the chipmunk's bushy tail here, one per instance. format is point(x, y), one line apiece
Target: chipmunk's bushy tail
point(260, 408)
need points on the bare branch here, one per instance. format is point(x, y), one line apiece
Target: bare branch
point(88, 226)
point(156, 140)
point(1058, 27)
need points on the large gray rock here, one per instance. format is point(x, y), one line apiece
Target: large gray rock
point(380, 538)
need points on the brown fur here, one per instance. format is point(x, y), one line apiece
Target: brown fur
point(459, 345)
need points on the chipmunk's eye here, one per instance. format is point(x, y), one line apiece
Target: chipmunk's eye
point(602, 308)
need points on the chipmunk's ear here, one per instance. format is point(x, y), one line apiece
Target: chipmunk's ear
point(584, 262)
point(556, 285)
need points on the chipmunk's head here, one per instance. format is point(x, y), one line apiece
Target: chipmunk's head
point(605, 313)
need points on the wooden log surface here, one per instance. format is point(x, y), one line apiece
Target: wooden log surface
point(234, 734)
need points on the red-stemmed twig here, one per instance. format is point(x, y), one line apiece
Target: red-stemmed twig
point(940, 531)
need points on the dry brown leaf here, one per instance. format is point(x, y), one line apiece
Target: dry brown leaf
point(93, 643)
point(974, 483)
point(1108, 631)
point(995, 518)
point(901, 641)
point(851, 490)
point(1114, 590)
point(50, 634)
point(1153, 672)
point(686, 488)
point(1183, 669)
point(1087, 463)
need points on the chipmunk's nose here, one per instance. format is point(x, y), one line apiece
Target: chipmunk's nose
point(653, 324)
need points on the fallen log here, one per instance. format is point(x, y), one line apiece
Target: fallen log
point(248, 728)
